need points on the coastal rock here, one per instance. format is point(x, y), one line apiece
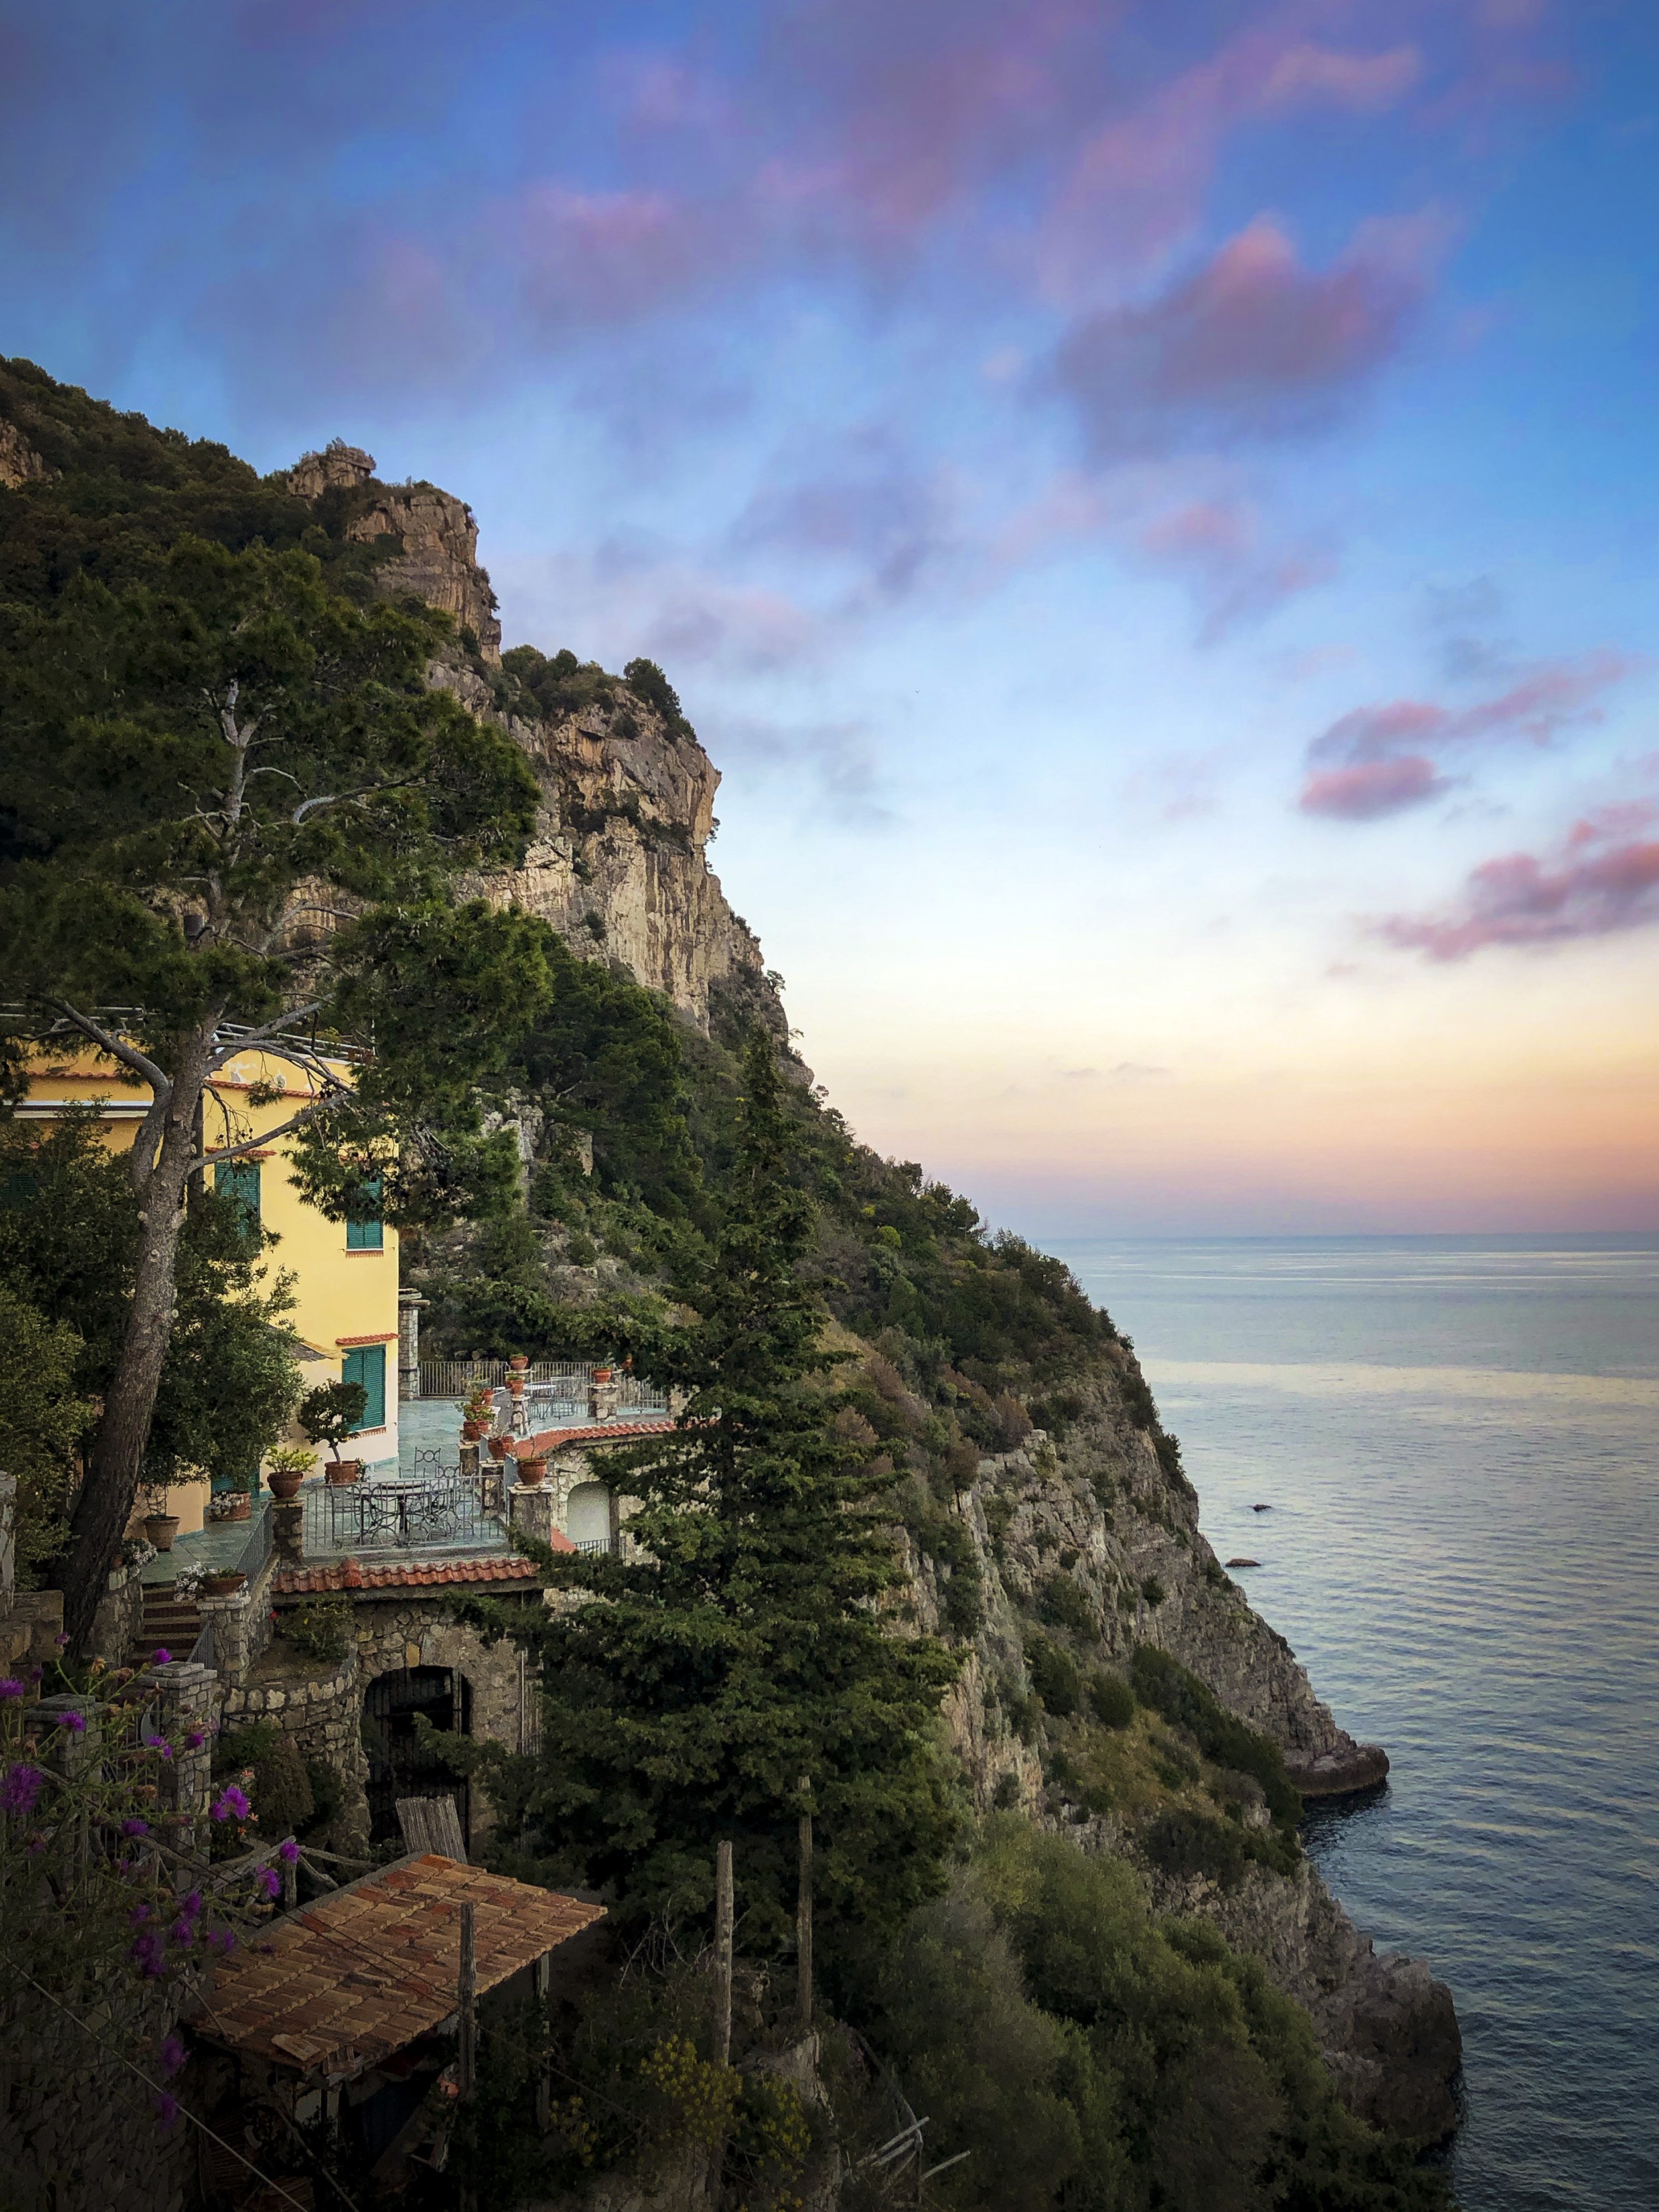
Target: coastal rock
point(1244, 1562)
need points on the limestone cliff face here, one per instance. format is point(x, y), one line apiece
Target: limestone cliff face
point(1097, 1509)
point(618, 864)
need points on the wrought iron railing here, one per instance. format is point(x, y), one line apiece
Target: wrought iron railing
point(440, 1510)
point(560, 1387)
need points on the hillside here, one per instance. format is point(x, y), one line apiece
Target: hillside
point(1053, 1535)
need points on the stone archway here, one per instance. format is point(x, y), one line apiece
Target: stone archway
point(399, 1765)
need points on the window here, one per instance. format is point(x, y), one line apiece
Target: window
point(368, 1233)
point(366, 1365)
point(241, 1178)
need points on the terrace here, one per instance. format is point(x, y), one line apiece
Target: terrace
point(440, 1500)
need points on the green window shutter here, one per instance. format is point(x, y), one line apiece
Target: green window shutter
point(368, 1234)
point(241, 1179)
point(366, 1365)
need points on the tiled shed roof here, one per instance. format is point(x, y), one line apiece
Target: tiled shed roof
point(604, 1432)
point(343, 1984)
point(350, 1575)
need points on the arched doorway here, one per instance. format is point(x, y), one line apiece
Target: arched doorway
point(400, 1765)
point(587, 1516)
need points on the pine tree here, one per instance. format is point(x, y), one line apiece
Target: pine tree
point(748, 1641)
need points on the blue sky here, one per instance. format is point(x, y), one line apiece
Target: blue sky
point(1151, 507)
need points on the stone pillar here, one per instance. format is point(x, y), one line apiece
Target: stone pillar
point(532, 1511)
point(67, 1750)
point(468, 1460)
point(408, 1344)
point(185, 1708)
point(288, 1531)
point(602, 1399)
point(229, 1618)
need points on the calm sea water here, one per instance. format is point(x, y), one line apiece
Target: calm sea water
point(1459, 1440)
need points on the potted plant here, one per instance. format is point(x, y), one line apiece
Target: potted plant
point(478, 1414)
point(223, 1583)
point(603, 1374)
point(161, 1527)
point(286, 1469)
point(498, 1447)
point(532, 1468)
point(328, 1415)
point(521, 1360)
point(237, 1503)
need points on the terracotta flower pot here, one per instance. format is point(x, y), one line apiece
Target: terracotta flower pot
point(472, 1431)
point(225, 1585)
point(339, 1472)
point(241, 1505)
point(533, 1472)
point(160, 1530)
point(284, 1483)
point(521, 1360)
point(497, 1447)
point(603, 1374)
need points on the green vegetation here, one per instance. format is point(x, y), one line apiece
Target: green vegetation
point(1090, 2055)
point(1170, 1689)
point(738, 1669)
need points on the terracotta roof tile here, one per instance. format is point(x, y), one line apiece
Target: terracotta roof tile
point(604, 1432)
point(351, 1574)
point(344, 1983)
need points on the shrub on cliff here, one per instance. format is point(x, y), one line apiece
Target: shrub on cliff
point(1090, 2056)
point(1172, 1690)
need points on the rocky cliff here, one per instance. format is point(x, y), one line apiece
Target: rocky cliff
point(618, 864)
point(1087, 1538)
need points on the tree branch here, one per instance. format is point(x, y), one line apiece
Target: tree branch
point(268, 1136)
point(117, 1048)
point(231, 1046)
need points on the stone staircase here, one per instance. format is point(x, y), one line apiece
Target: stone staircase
point(169, 1623)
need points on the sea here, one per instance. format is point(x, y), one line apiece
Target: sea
point(1458, 1441)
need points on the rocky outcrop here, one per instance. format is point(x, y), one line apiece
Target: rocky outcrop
point(435, 555)
point(19, 462)
point(618, 863)
point(1096, 1510)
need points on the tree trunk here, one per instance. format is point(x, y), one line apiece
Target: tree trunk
point(116, 1463)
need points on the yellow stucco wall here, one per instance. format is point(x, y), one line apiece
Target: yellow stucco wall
point(343, 1298)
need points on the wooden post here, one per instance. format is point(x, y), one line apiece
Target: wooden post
point(543, 2075)
point(724, 1916)
point(467, 2067)
point(804, 1913)
point(290, 1882)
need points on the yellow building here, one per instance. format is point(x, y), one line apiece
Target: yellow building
point(345, 1273)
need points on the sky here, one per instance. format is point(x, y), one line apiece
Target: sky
point(1150, 504)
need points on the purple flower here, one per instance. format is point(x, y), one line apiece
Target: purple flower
point(61, 1641)
point(183, 1933)
point(75, 1722)
point(192, 1904)
point(137, 1917)
point(167, 2112)
point(146, 1954)
point(232, 1805)
point(20, 1789)
point(222, 1941)
point(196, 1739)
point(171, 2054)
point(135, 1827)
point(161, 1657)
point(267, 1881)
point(158, 1744)
point(289, 1852)
point(11, 1688)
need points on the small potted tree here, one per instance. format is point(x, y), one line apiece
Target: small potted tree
point(328, 1415)
point(478, 1413)
point(286, 1469)
point(161, 1527)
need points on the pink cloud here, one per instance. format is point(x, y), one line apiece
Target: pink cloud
point(1603, 878)
point(1372, 789)
point(1253, 344)
point(1371, 762)
point(1220, 545)
point(1136, 187)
